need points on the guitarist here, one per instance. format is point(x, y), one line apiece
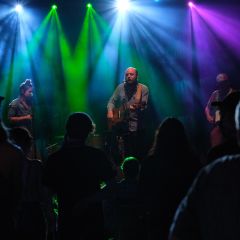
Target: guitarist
point(125, 112)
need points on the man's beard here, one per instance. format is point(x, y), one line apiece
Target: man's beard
point(130, 89)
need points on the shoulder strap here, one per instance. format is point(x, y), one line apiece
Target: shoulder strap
point(139, 93)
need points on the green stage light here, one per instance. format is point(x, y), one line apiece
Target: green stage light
point(54, 6)
point(89, 5)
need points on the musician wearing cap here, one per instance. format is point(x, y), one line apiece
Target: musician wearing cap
point(212, 113)
point(125, 110)
point(20, 109)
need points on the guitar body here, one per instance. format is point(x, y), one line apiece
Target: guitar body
point(120, 117)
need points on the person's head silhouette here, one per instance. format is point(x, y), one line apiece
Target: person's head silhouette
point(79, 125)
point(130, 167)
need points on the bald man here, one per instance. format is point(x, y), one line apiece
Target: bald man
point(125, 112)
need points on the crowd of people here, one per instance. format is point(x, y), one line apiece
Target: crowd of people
point(130, 192)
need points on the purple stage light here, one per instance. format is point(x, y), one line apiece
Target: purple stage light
point(190, 4)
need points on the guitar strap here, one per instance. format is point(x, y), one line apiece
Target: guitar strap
point(138, 96)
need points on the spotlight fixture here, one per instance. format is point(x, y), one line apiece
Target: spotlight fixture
point(89, 5)
point(54, 7)
point(190, 4)
point(18, 8)
point(123, 5)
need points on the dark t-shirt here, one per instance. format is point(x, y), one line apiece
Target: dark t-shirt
point(75, 172)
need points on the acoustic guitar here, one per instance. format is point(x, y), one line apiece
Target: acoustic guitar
point(121, 114)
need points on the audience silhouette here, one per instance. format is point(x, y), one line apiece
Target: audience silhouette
point(211, 208)
point(11, 165)
point(166, 175)
point(122, 207)
point(31, 222)
point(74, 173)
point(139, 206)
